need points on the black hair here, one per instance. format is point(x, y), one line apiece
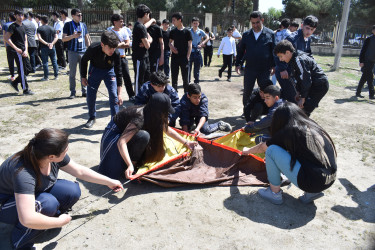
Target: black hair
point(296, 125)
point(178, 16)
point(256, 14)
point(142, 10)
point(158, 78)
point(37, 16)
point(18, 12)
point(229, 29)
point(44, 19)
point(207, 29)
point(30, 14)
point(48, 141)
point(285, 23)
point(116, 17)
point(264, 84)
point(272, 90)
point(63, 12)
point(195, 19)
point(194, 89)
point(294, 24)
point(109, 38)
point(55, 13)
point(233, 26)
point(165, 21)
point(158, 23)
point(129, 24)
point(12, 17)
point(311, 21)
point(75, 11)
point(283, 46)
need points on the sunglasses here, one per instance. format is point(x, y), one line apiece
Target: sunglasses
point(79, 15)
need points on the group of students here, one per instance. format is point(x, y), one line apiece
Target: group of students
point(33, 199)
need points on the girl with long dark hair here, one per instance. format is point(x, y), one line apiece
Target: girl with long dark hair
point(31, 196)
point(301, 150)
point(135, 135)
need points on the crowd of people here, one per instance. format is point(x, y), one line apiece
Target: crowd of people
point(294, 144)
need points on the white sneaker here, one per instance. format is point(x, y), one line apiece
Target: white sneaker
point(224, 126)
point(306, 198)
point(274, 198)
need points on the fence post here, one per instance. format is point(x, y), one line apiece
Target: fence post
point(70, 13)
point(208, 20)
point(162, 15)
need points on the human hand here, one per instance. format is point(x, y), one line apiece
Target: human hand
point(246, 150)
point(76, 34)
point(361, 65)
point(64, 219)
point(19, 51)
point(50, 45)
point(84, 81)
point(115, 185)
point(196, 132)
point(273, 71)
point(301, 102)
point(199, 46)
point(141, 45)
point(284, 74)
point(25, 54)
point(120, 101)
point(218, 56)
point(238, 70)
point(129, 171)
point(174, 50)
point(191, 145)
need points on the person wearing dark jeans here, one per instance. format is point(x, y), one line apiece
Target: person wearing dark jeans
point(366, 62)
point(30, 30)
point(208, 48)
point(180, 43)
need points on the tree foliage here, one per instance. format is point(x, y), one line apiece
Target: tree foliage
point(272, 18)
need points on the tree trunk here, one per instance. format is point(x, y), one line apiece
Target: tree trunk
point(255, 5)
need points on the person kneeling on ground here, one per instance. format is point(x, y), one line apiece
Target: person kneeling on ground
point(159, 83)
point(135, 136)
point(194, 109)
point(310, 80)
point(105, 64)
point(31, 196)
point(273, 101)
point(255, 107)
point(301, 150)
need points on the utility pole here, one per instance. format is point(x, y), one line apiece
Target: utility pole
point(342, 30)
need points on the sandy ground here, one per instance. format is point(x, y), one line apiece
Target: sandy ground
point(145, 216)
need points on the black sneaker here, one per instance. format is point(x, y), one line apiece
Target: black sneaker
point(220, 74)
point(28, 92)
point(229, 80)
point(84, 94)
point(90, 123)
point(72, 96)
point(14, 86)
point(359, 95)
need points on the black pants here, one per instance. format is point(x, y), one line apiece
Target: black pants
point(38, 55)
point(252, 75)
point(154, 62)
point(59, 45)
point(23, 68)
point(33, 55)
point(367, 76)
point(253, 111)
point(126, 77)
point(176, 64)
point(208, 51)
point(10, 58)
point(227, 62)
point(288, 90)
point(316, 93)
point(141, 72)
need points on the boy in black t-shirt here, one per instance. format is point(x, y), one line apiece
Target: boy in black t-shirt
point(180, 43)
point(141, 43)
point(156, 51)
point(167, 50)
point(17, 39)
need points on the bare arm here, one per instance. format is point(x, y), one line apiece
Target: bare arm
point(28, 217)
point(161, 59)
point(190, 46)
point(123, 148)
point(123, 45)
point(204, 41)
point(67, 38)
point(88, 40)
point(147, 42)
point(257, 149)
point(172, 133)
point(172, 47)
point(8, 41)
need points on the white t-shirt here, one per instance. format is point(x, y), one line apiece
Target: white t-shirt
point(228, 45)
point(58, 26)
point(257, 34)
point(123, 35)
point(236, 34)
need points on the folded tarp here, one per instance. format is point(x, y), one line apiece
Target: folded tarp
point(210, 163)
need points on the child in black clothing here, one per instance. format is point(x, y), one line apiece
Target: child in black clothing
point(310, 80)
point(194, 109)
point(256, 106)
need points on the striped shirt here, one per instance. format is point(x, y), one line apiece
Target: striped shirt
point(76, 44)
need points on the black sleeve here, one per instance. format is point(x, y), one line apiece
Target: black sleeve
point(11, 29)
point(117, 67)
point(363, 50)
point(84, 61)
point(64, 162)
point(142, 32)
point(277, 139)
point(241, 50)
point(189, 37)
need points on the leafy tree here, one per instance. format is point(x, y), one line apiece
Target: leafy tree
point(272, 17)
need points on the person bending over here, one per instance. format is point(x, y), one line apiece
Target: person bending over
point(255, 107)
point(135, 136)
point(301, 150)
point(159, 83)
point(194, 110)
point(31, 195)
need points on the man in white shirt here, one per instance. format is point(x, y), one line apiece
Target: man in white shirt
point(59, 46)
point(228, 45)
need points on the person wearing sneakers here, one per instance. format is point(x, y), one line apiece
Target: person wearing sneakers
point(301, 150)
point(16, 37)
point(105, 65)
point(228, 46)
point(194, 110)
point(10, 55)
point(47, 40)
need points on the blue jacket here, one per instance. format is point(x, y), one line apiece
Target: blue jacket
point(265, 122)
point(299, 43)
point(146, 91)
point(257, 53)
point(189, 110)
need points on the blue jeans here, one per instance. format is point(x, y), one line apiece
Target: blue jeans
point(278, 161)
point(51, 53)
point(96, 76)
point(167, 54)
point(196, 59)
point(58, 199)
point(111, 162)
point(206, 128)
